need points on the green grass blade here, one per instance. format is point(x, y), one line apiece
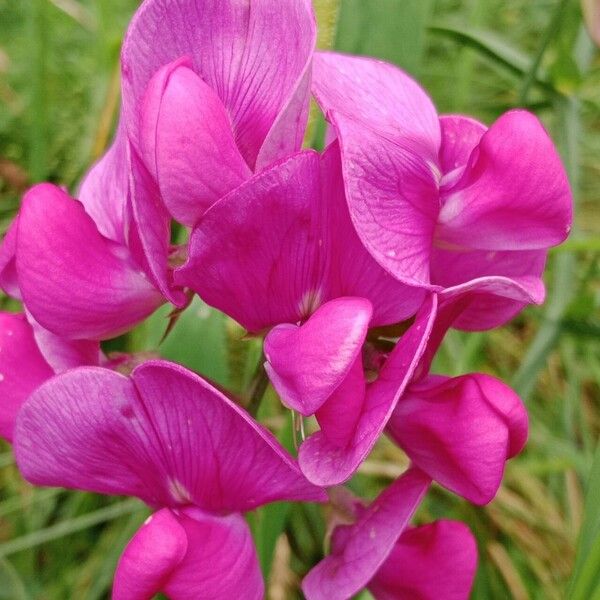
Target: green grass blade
point(494, 48)
point(38, 136)
point(550, 33)
point(269, 522)
point(13, 587)
point(197, 341)
point(587, 563)
point(393, 30)
point(69, 526)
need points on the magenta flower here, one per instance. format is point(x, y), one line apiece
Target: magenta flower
point(443, 203)
point(459, 430)
point(280, 252)
point(169, 438)
point(211, 92)
point(78, 283)
point(380, 552)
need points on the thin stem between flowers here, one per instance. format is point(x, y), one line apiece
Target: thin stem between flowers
point(258, 387)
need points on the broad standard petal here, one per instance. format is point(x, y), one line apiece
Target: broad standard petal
point(514, 193)
point(430, 562)
point(306, 363)
point(461, 431)
point(392, 194)
point(378, 95)
point(22, 368)
point(187, 142)
point(189, 554)
point(253, 54)
point(329, 458)
point(75, 282)
point(389, 135)
point(255, 255)
point(164, 435)
point(359, 550)
point(352, 269)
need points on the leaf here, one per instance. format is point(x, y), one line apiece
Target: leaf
point(197, 340)
point(495, 48)
point(269, 522)
point(393, 30)
point(586, 573)
point(13, 587)
point(69, 526)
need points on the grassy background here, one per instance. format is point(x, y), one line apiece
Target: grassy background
point(58, 101)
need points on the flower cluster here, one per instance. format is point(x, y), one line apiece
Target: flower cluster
point(353, 263)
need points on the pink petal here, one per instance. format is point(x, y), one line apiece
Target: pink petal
point(499, 284)
point(22, 368)
point(352, 270)
point(255, 255)
point(188, 555)
point(8, 269)
point(287, 132)
point(252, 54)
point(392, 194)
point(150, 230)
point(430, 562)
point(61, 353)
point(103, 191)
point(165, 436)
point(461, 431)
point(221, 561)
point(187, 141)
point(307, 363)
point(514, 193)
point(460, 135)
point(75, 282)
point(151, 556)
point(322, 457)
point(289, 227)
point(362, 548)
point(339, 417)
point(378, 95)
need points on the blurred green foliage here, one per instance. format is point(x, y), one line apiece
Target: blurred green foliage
point(58, 105)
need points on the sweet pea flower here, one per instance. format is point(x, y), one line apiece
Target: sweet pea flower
point(444, 202)
point(166, 436)
point(379, 551)
point(459, 430)
point(211, 92)
point(280, 253)
point(76, 282)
